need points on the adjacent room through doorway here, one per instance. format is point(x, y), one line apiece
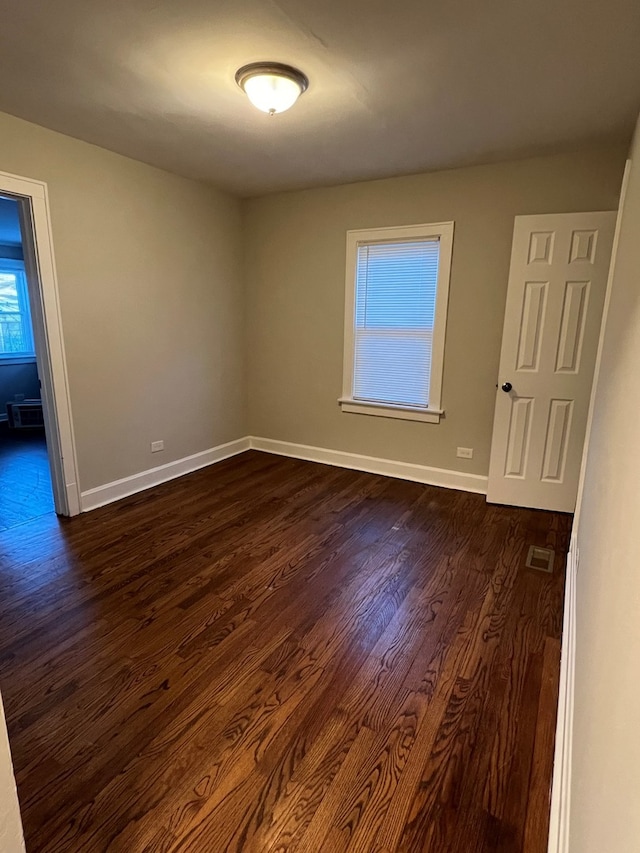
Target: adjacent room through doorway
point(25, 480)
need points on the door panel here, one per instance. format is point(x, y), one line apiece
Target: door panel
point(531, 325)
point(574, 314)
point(557, 440)
point(557, 284)
point(519, 433)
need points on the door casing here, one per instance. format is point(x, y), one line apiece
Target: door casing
point(35, 222)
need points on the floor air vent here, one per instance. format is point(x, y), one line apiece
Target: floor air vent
point(540, 559)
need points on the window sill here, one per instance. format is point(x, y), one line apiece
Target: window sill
point(17, 359)
point(386, 410)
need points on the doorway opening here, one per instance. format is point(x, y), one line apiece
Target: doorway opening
point(37, 449)
point(25, 481)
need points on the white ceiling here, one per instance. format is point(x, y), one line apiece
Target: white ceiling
point(395, 88)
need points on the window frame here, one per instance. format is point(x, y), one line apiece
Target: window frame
point(431, 413)
point(15, 265)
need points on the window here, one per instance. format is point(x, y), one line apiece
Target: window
point(16, 337)
point(397, 291)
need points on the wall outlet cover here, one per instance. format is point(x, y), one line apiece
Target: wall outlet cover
point(156, 446)
point(465, 452)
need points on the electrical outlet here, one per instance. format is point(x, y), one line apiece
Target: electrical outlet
point(465, 452)
point(156, 446)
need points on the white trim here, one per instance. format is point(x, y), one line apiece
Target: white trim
point(16, 264)
point(39, 260)
point(9, 360)
point(110, 492)
point(561, 783)
point(444, 232)
point(118, 489)
point(387, 410)
point(374, 465)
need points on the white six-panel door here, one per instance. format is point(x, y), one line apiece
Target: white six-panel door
point(557, 284)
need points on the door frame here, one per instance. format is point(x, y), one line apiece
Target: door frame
point(35, 222)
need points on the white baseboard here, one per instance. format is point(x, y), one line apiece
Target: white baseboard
point(109, 492)
point(561, 785)
point(101, 495)
point(374, 465)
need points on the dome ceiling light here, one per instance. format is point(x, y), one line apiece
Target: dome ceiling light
point(271, 86)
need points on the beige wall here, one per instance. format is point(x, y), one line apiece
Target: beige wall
point(295, 268)
point(151, 298)
point(605, 781)
point(11, 840)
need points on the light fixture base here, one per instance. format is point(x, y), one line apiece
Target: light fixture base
point(271, 86)
point(253, 69)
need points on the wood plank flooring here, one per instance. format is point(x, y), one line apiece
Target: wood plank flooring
point(273, 655)
point(25, 481)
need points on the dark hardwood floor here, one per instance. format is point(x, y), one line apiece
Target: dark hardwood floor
point(25, 481)
point(273, 655)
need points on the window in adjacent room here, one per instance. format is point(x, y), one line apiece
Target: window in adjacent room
point(397, 291)
point(16, 336)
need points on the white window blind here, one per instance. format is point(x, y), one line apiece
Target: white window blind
point(395, 308)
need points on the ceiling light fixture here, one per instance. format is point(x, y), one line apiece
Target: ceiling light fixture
point(271, 86)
